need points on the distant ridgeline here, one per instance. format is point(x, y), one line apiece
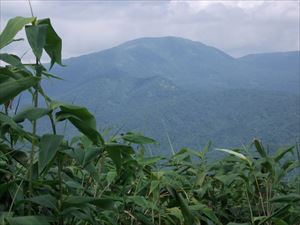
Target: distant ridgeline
point(186, 93)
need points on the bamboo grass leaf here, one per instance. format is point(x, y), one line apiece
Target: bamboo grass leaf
point(237, 154)
point(12, 27)
point(11, 89)
point(36, 36)
point(48, 148)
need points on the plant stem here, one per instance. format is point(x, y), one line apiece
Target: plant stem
point(249, 204)
point(52, 123)
point(33, 144)
point(31, 11)
point(14, 198)
point(260, 196)
point(60, 209)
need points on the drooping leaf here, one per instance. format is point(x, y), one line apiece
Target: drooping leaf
point(103, 203)
point(206, 211)
point(260, 148)
point(281, 211)
point(278, 221)
point(90, 132)
point(138, 138)
point(93, 171)
point(211, 215)
point(46, 200)
point(115, 152)
point(141, 201)
point(186, 212)
point(151, 160)
point(237, 154)
point(4, 78)
point(77, 154)
point(53, 44)
point(154, 184)
point(10, 89)
point(36, 36)
point(81, 118)
point(12, 60)
point(49, 75)
point(110, 176)
point(175, 211)
point(286, 198)
point(4, 187)
point(12, 27)
point(90, 154)
point(31, 113)
point(7, 73)
point(206, 149)
point(48, 147)
point(227, 179)
point(281, 153)
point(18, 155)
point(78, 112)
point(83, 214)
point(201, 175)
point(292, 166)
point(143, 219)
point(8, 121)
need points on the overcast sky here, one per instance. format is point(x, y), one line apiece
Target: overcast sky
point(236, 27)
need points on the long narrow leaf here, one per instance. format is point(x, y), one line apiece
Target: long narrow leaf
point(12, 28)
point(36, 36)
point(48, 148)
point(237, 154)
point(10, 89)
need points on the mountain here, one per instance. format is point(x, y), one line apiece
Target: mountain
point(190, 64)
point(187, 91)
point(283, 66)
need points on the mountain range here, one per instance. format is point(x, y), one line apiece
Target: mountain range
point(184, 93)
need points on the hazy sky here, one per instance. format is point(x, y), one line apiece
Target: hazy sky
point(236, 27)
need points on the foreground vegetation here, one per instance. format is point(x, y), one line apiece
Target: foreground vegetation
point(47, 179)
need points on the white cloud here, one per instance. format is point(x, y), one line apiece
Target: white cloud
point(237, 27)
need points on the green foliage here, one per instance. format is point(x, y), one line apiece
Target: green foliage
point(47, 179)
point(49, 145)
point(137, 139)
point(53, 42)
point(36, 36)
point(10, 89)
point(31, 114)
point(12, 28)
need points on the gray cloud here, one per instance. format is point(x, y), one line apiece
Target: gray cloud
point(236, 27)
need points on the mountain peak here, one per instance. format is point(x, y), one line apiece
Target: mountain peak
point(162, 39)
point(173, 45)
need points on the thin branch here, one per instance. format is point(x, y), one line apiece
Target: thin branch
point(31, 11)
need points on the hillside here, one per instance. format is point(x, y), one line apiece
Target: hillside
point(283, 66)
point(188, 90)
